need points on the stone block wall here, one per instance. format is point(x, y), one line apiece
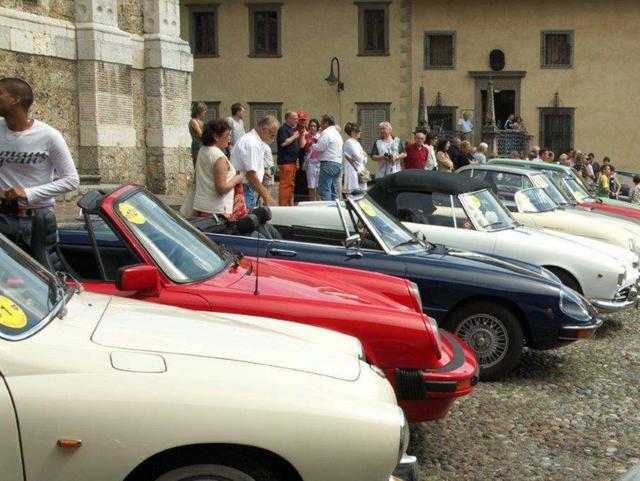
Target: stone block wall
point(56, 98)
point(113, 76)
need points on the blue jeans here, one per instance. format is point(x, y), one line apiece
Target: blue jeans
point(328, 181)
point(23, 223)
point(251, 196)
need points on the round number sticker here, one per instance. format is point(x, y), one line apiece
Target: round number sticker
point(131, 213)
point(367, 208)
point(11, 315)
point(474, 201)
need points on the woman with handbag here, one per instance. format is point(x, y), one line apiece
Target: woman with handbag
point(216, 179)
point(356, 175)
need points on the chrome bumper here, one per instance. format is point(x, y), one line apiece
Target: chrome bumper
point(574, 333)
point(407, 470)
point(626, 298)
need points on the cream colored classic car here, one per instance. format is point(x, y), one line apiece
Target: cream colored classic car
point(533, 200)
point(99, 388)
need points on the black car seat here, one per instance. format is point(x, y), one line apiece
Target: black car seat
point(265, 228)
point(44, 243)
point(248, 225)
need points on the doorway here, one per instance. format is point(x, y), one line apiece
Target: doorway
point(505, 104)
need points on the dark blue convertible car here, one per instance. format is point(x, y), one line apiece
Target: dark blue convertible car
point(496, 305)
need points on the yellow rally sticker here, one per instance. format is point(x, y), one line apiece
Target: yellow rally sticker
point(131, 213)
point(578, 195)
point(367, 208)
point(540, 182)
point(11, 315)
point(474, 201)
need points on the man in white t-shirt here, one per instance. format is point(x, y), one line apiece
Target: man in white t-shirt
point(248, 157)
point(30, 151)
point(329, 148)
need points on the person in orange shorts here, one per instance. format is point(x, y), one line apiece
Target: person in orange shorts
point(288, 149)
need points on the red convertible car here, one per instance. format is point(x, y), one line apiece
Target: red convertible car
point(132, 245)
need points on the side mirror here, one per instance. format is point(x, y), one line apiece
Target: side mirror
point(141, 278)
point(421, 236)
point(353, 241)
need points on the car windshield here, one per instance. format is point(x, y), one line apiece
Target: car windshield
point(532, 201)
point(542, 181)
point(29, 295)
point(385, 228)
point(179, 250)
point(577, 190)
point(557, 180)
point(486, 211)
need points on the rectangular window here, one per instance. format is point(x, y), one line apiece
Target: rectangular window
point(369, 117)
point(258, 110)
point(203, 28)
point(264, 30)
point(373, 28)
point(556, 129)
point(439, 50)
point(557, 49)
point(213, 111)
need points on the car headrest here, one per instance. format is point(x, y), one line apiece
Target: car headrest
point(247, 224)
point(263, 214)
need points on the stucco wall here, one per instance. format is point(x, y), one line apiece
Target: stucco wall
point(312, 33)
point(603, 85)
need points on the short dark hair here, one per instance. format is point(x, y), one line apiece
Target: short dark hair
point(314, 121)
point(237, 107)
point(351, 127)
point(19, 88)
point(636, 179)
point(606, 159)
point(430, 137)
point(213, 130)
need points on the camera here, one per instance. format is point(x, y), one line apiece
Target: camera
point(388, 155)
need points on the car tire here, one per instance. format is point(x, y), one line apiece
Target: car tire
point(567, 279)
point(493, 332)
point(219, 472)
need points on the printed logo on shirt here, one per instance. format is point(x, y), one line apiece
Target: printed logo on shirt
point(11, 157)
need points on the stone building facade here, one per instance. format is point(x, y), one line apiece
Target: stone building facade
point(570, 67)
point(114, 77)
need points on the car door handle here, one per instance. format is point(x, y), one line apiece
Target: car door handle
point(282, 252)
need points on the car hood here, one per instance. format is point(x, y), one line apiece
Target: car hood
point(144, 326)
point(301, 281)
point(470, 260)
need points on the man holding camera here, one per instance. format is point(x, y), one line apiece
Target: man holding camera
point(30, 151)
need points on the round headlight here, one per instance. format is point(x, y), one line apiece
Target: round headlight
point(572, 305)
point(404, 435)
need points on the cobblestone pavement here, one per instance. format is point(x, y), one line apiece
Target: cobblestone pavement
point(565, 415)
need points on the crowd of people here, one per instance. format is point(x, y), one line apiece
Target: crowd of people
point(234, 168)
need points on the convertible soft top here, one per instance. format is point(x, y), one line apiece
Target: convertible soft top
point(415, 180)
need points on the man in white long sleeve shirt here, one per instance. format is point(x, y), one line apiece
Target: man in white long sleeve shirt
point(30, 151)
point(329, 148)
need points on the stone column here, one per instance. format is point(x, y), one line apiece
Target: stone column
point(168, 67)
point(489, 130)
point(105, 57)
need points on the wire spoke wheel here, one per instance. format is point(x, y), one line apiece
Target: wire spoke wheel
point(487, 336)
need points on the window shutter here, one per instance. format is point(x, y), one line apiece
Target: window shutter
point(369, 118)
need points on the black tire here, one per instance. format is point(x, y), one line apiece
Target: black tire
point(482, 322)
point(232, 468)
point(566, 279)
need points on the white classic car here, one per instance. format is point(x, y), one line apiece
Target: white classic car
point(535, 201)
point(462, 212)
point(99, 388)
